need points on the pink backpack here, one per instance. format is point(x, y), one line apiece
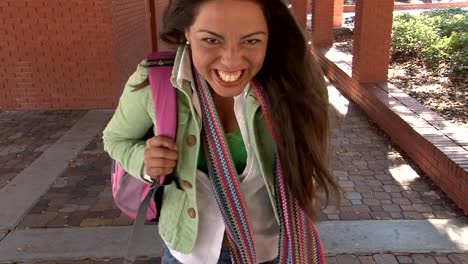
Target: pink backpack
point(131, 195)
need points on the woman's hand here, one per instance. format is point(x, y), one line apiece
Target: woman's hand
point(160, 156)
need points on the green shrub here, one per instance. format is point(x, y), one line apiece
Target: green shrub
point(435, 54)
point(447, 21)
point(458, 47)
point(438, 37)
point(411, 35)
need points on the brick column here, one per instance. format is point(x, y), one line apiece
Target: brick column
point(300, 10)
point(338, 13)
point(372, 40)
point(322, 22)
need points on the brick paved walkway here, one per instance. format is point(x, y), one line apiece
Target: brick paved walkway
point(331, 259)
point(378, 183)
point(26, 135)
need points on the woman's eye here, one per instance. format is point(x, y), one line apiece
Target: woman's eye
point(211, 41)
point(252, 41)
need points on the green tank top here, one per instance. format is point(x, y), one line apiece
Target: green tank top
point(237, 149)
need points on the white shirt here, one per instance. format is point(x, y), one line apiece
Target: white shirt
point(211, 227)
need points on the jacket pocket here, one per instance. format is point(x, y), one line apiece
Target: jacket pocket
point(172, 205)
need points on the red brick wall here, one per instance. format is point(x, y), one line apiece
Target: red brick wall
point(322, 23)
point(63, 54)
point(131, 36)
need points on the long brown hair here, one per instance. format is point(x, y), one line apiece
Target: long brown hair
point(295, 91)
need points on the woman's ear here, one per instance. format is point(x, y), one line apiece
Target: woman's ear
point(187, 42)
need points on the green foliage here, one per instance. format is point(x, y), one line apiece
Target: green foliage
point(438, 37)
point(448, 21)
point(459, 49)
point(411, 35)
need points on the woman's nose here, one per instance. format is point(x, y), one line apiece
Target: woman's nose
point(231, 56)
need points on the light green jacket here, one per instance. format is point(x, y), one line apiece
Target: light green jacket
point(132, 119)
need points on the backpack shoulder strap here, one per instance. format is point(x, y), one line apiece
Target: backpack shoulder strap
point(160, 66)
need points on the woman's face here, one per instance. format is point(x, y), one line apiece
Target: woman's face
point(228, 42)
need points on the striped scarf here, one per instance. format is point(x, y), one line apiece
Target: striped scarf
point(299, 241)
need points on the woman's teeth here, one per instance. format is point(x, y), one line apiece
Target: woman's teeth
point(229, 77)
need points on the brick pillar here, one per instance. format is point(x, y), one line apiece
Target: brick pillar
point(322, 22)
point(300, 10)
point(372, 40)
point(338, 13)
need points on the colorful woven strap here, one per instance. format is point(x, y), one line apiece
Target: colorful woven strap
point(299, 241)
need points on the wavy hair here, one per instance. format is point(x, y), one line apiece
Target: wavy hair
point(296, 91)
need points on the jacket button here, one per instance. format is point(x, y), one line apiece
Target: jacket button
point(191, 140)
point(191, 212)
point(186, 185)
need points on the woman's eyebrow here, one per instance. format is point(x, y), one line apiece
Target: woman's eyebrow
point(221, 36)
point(253, 34)
point(210, 32)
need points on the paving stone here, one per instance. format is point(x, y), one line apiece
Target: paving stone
point(396, 215)
point(363, 189)
point(413, 215)
point(122, 220)
point(92, 222)
point(422, 208)
point(421, 187)
point(396, 195)
point(330, 209)
point(353, 195)
point(442, 259)
point(404, 260)
point(37, 220)
point(366, 260)
point(367, 195)
point(392, 188)
point(331, 260)
point(385, 259)
point(407, 207)
point(58, 221)
point(346, 183)
point(358, 178)
point(347, 259)
point(428, 215)
point(380, 215)
point(391, 208)
point(401, 201)
point(458, 258)
point(423, 259)
point(333, 217)
point(348, 189)
point(338, 173)
point(382, 195)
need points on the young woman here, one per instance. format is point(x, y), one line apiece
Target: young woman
point(251, 153)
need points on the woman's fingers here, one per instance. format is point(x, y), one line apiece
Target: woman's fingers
point(160, 156)
point(161, 141)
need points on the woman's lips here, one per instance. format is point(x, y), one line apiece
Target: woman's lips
point(229, 79)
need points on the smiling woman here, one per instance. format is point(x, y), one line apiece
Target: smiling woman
point(251, 156)
point(228, 44)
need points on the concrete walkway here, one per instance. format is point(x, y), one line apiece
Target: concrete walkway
point(58, 208)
